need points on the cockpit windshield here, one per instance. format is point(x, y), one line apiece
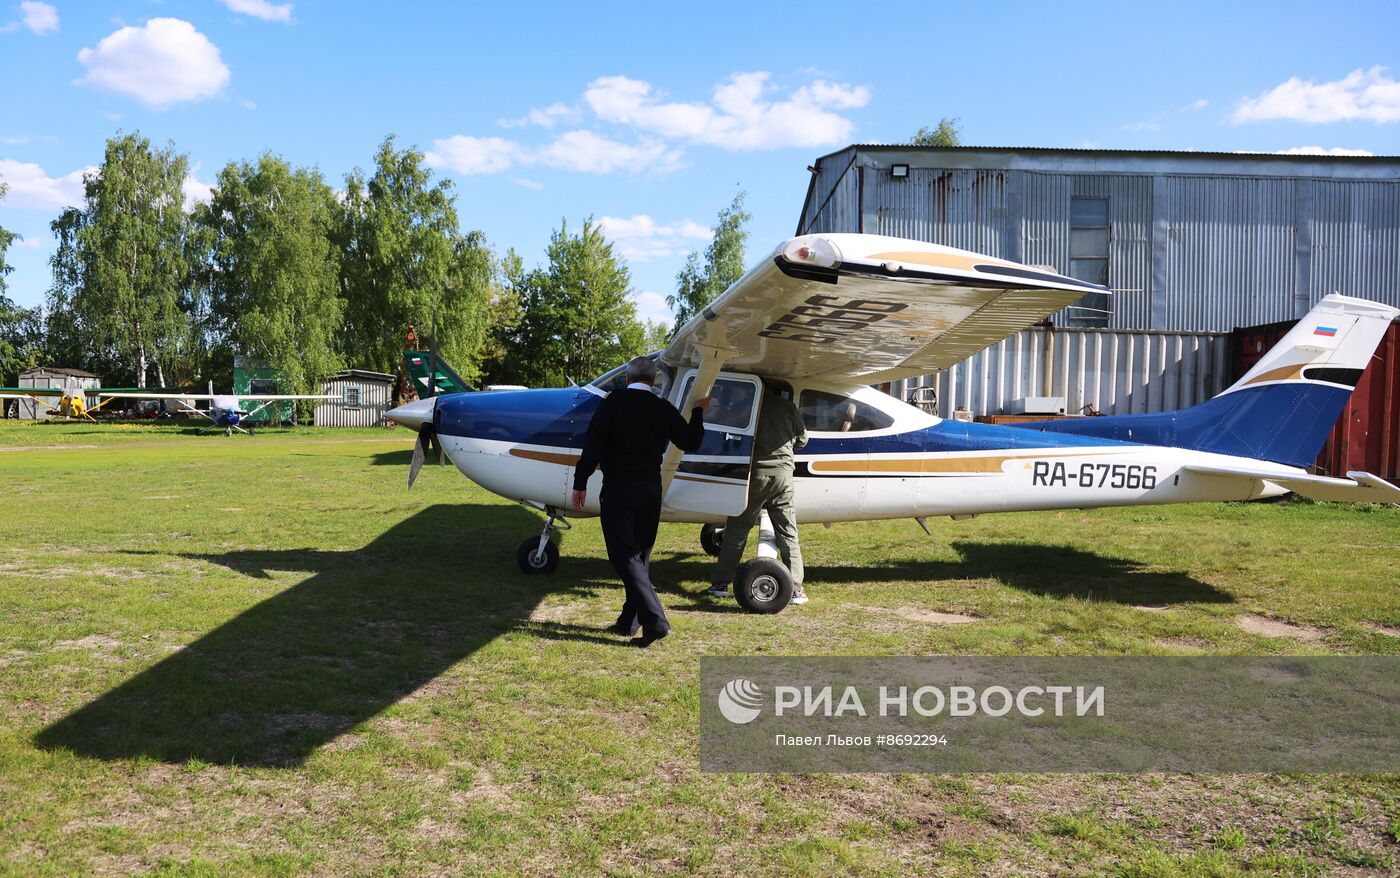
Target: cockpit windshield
point(616, 379)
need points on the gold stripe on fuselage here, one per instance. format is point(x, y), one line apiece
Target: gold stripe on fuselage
point(938, 465)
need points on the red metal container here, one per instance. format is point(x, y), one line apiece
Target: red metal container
point(1367, 436)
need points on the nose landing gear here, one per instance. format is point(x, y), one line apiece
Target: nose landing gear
point(540, 554)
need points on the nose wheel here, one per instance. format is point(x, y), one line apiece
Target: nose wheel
point(540, 554)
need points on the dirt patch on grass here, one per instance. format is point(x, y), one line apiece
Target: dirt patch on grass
point(1384, 629)
point(1152, 608)
point(92, 641)
point(935, 617)
point(1267, 627)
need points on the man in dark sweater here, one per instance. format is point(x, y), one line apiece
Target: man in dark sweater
point(628, 437)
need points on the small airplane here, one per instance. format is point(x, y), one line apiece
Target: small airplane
point(826, 316)
point(225, 409)
point(69, 401)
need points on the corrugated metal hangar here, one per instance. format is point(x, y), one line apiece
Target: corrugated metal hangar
point(1188, 241)
point(1197, 248)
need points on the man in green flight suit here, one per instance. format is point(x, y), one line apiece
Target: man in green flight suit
point(780, 432)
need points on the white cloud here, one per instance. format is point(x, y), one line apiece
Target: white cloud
point(527, 183)
point(639, 238)
point(1323, 150)
point(31, 187)
point(593, 153)
point(165, 62)
point(584, 151)
point(39, 18)
point(545, 118)
point(1200, 104)
point(26, 244)
point(195, 191)
point(652, 306)
point(1364, 95)
point(262, 9)
point(473, 155)
point(739, 115)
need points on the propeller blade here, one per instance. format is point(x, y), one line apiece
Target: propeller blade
point(437, 446)
point(419, 454)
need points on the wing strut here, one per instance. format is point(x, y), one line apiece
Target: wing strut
point(712, 360)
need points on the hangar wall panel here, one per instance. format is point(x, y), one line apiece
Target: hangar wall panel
point(1114, 372)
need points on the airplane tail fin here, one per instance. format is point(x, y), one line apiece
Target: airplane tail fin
point(421, 364)
point(1282, 409)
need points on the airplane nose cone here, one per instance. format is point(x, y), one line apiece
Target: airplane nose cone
point(413, 414)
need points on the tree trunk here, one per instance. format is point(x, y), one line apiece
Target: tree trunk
point(141, 364)
point(160, 373)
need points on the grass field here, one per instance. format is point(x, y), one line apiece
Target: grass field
point(263, 656)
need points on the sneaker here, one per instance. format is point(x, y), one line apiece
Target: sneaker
point(718, 590)
point(799, 596)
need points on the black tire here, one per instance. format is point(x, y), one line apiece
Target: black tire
point(711, 538)
point(526, 556)
point(763, 585)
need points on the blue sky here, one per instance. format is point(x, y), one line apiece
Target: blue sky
point(653, 115)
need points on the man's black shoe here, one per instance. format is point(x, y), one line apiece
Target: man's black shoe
point(621, 630)
point(648, 638)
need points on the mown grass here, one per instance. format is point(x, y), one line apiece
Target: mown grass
point(263, 656)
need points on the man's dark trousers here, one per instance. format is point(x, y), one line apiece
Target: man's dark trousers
point(630, 512)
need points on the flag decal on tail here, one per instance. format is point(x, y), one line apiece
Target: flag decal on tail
point(1329, 331)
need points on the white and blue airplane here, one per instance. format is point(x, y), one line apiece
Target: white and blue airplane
point(226, 410)
point(826, 316)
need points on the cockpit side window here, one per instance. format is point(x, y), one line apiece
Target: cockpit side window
point(824, 412)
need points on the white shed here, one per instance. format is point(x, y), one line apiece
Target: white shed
point(362, 399)
point(45, 377)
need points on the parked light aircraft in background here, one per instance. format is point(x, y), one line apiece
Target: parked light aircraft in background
point(824, 317)
point(70, 401)
point(225, 409)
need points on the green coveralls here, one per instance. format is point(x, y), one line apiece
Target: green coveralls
point(780, 432)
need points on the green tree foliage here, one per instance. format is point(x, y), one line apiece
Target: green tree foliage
point(946, 133)
point(273, 271)
point(699, 284)
point(121, 278)
point(589, 288)
point(404, 262)
point(570, 319)
point(20, 328)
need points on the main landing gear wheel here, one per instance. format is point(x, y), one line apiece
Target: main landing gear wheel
point(711, 538)
point(763, 585)
point(532, 560)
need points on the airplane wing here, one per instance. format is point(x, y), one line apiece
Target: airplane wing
point(30, 393)
point(256, 397)
point(870, 308)
point(1357, 487)
point(264, 397)
point(139, 395)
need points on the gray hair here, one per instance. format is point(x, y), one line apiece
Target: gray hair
point(641, 369)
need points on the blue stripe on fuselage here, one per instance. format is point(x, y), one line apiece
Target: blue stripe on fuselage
point(1285, 423)
point(559, 418)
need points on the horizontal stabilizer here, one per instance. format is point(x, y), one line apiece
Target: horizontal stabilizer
point(1358, 487)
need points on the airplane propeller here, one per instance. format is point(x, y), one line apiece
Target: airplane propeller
point(427, 441)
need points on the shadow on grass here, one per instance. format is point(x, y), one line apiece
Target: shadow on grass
point(1044, 570)
point(367, 628)
point(401, 457)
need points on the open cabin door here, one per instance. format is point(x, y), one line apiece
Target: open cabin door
point(714, 481)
